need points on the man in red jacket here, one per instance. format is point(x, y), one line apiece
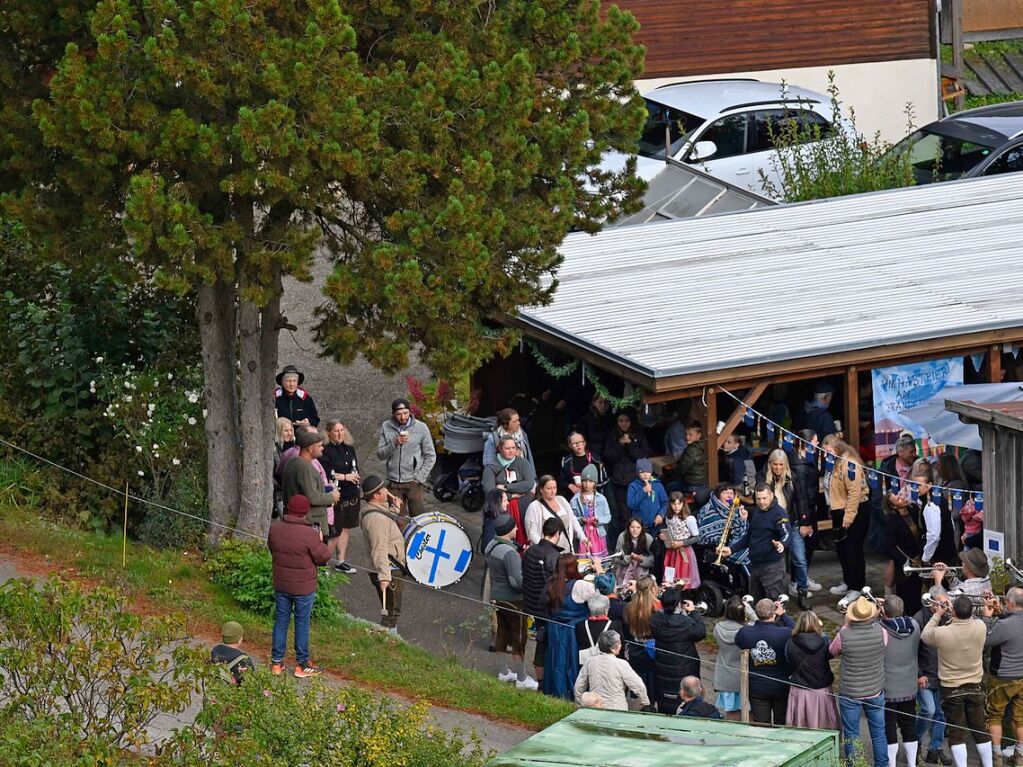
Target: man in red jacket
point(297, 550)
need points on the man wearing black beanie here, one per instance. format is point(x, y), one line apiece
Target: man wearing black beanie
point(406, 448)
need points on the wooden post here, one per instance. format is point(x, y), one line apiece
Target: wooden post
point(712, 436)
point(750, 398)
point(958, 48)
point(994, 364)
point(852, 407)
point(744, 686)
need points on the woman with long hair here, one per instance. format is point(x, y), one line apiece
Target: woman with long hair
point(948, 477)
point(680, 533)
point(339, 462)
point(726, 669)
point(626, 443)
point(508, 425)
point(638, 637)
point(494, 505)
point(549, 504)
point(637, 549)
point(850, 516)
point(788, 493)
point(903, 531)
point(567, 596)
point(811, 703)
point(284, 439)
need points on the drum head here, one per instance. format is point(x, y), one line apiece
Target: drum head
point(437, 550)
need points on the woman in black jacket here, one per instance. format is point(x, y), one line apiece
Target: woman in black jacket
point(338, 460)
point(811, 703)
point(902, 531)
point(675, 654)
point(625, 444)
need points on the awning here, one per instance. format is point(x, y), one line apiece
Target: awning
point(945, 427)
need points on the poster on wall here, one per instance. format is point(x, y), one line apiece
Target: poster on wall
point(899, 388)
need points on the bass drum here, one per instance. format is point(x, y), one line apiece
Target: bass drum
point(438, 551)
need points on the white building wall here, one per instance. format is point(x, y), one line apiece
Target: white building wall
point(877, 91)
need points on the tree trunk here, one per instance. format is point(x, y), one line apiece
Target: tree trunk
point(217, 332)
point(256, 419)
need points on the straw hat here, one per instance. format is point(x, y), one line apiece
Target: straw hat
point(862, 610)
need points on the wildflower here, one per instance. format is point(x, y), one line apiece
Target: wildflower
point(141, 473)
point(127, 384)
point(191, 421)
point(341, 707)
point(127, 398)
point(92, 386)
point(170, 376)
point(155, 446)
point(138, 448)
point(267, 693)
point(175, 461)
point(99, 359)
point(193, 397)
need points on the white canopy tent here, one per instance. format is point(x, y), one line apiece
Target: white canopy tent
point(945, 427)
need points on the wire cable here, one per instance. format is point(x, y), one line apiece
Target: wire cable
point(639, 645)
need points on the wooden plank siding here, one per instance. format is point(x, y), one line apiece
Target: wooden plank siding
point(718, 36)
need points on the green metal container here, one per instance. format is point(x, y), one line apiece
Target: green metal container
point(599, 738)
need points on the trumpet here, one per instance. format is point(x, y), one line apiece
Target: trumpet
point(869, 595)
point(927, 600)
point(924, 572)
point(1016, 572)
point(586, 562)
point(848, 599)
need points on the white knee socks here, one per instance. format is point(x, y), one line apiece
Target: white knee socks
point(959, 755)
point(893, 752)
point(911, 751)
point(984, 751)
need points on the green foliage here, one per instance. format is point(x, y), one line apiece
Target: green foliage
point(270, 720)
point(812, 165)
point(972, 102)
point(90, 675)
point(245, 569)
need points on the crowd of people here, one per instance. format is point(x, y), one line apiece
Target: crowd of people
point(628, 631)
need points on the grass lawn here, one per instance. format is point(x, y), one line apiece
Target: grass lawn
point(167, 581)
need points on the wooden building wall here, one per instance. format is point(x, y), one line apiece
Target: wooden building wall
point(715, 36)
point(1003, 485)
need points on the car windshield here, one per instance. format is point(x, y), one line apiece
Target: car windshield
point(679, 126)
point(936, 157)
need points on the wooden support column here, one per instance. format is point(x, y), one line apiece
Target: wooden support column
point(994, 364)
point(851, 426)
point(712, 436)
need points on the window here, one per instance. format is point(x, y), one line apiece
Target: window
point(660, 120)
point(1010, 162)
point(768, 125)
point(935, 157)
point(728, 135)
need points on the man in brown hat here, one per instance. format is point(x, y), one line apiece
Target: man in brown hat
point(861, 644)
point(386, 548)
point(975, 581)
point(292, 401)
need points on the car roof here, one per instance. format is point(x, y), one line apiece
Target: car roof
point(708, 98)
point(1005, 119)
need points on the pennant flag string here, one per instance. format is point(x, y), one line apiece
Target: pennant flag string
point(888, 482)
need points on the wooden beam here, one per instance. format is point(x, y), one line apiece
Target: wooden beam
point(750, 398)
point(813, 367)
point(712, 436)
point(958, 48)
point(852, 407)
point(994, 364)
point(733, 386)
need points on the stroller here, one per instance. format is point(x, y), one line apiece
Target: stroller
point(462, 461)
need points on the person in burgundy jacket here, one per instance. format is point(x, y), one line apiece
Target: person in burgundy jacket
point(297, 551)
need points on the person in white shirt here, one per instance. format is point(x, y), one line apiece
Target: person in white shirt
point(549, 504)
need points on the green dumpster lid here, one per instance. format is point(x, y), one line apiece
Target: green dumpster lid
point(602, 738)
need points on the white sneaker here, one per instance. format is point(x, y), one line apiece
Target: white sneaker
point(840, 590)
point(507, 676)
point(526, 684)
point(812, 585)
point(793, 591)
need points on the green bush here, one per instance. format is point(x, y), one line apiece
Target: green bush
point(90, 675)
point(813, 165)
point(245, 569)
point(268, 721)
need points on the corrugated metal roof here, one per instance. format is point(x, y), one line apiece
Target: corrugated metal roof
point(794, 281)
point(679, 192)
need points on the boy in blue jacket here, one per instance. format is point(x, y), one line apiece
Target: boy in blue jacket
point(647, 498)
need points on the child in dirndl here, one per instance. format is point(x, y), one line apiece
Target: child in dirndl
point(593, 512)
point(680, 532)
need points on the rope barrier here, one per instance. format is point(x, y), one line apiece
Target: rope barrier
point(487, 605)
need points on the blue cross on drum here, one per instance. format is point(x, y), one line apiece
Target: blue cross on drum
point(437, 550)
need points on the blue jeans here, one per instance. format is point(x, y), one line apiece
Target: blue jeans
point(797, 551)
point(303, 608)
point(849, 711)
point(930, 709)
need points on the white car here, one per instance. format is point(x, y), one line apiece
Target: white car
point(721, 128)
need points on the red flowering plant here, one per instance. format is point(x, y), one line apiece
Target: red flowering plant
point(430, 402)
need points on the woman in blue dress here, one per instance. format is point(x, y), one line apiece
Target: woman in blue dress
point(567, 593)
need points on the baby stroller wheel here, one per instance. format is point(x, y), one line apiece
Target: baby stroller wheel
point(710, 593)
point(472, 496)
point(446, 487)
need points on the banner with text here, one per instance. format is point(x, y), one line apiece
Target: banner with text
point(899, 388)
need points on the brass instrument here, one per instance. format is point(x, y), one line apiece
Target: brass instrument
point(1016, 572)
point(728, 528)
point(925, 572)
